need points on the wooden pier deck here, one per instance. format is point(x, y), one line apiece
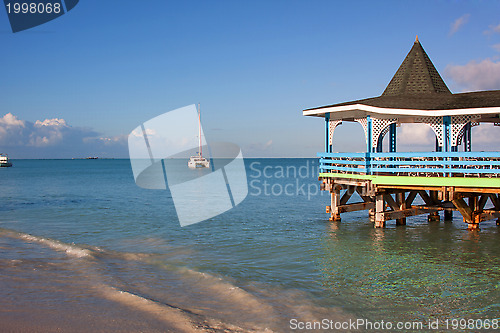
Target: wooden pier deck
point(389, 183)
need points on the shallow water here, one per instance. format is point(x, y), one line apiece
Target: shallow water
point(78, 236)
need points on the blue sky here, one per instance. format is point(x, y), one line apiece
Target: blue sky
point(94, 74)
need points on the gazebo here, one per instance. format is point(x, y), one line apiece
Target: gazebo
point(388, 183)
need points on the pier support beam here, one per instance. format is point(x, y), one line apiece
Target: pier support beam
point(389, 202)
point(335, 203)
point(434, 216)
point(469, 213)
point(379, 211)
point(401, 202)
point(448, 214)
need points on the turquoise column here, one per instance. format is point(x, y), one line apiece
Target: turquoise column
point(438, 147)
point(467, 137)
point(369, 147)
point(392, 138)
point(447, 138)
point(327, 133)
point(369, 134)
point(447, 133)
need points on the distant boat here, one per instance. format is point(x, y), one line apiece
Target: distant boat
point(92, 158)
point(4, 160)
point(198, 161)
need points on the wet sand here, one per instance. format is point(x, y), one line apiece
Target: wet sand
point(50, 286)
point(41, 292)
point(32, 305)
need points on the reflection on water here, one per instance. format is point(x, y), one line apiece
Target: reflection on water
point(414, 272)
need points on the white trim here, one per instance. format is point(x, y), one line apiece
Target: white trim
point(369, 110)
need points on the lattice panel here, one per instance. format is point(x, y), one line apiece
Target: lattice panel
point(457, 127)
point(333, 124)
point(384, 131)
point(363, 122)
point(379, 127)
point(436, 123)
point(460, 136)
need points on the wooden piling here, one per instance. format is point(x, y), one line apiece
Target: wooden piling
point(335, 203)
point(401, 203)
point(433, 216)
point(379, 211)
point(448, 214)
point(392, 202)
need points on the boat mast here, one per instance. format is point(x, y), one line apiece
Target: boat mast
point(199, 128)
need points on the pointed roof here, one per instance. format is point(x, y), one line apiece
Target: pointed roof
point(416, 75)
point(416, 86)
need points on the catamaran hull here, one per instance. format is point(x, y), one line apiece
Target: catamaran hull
point(196, 165)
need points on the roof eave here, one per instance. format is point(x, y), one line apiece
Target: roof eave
point(348, 111)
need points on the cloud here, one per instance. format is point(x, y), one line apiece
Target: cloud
point(416, 137)
point(473, 76)
point(55, 138)
point(421, 137)
point(458, 23)
point(496, 47)
point(10, 120)
point(486, 137)
point(493, 29)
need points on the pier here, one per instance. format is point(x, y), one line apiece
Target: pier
point(452, 178)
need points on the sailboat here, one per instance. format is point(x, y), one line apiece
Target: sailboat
point(198, 161)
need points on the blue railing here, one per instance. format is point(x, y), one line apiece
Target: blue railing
point(440, 164)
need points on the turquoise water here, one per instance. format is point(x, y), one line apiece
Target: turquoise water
point(79, 235)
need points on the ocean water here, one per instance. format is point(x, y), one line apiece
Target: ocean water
point(82, 248)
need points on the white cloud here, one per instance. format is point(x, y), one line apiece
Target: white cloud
point(10, 120)
point(55, 138)
point(486, 137)
point(484, 75)
point(421, 137)
point(12, 130)
point(150, 132)
point(458, 23)
point(493, 29)
point(137, 133)
point(51, 122)
point(416, 137)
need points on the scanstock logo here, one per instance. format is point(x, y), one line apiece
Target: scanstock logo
point(160, 150)
point(26, 14)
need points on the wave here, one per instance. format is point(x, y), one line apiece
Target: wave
point(185, 299)
point(73, 250)
point(175, 319)
point(181, 320)
point(70, 249)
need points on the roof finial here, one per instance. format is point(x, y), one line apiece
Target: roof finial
point(416, 39)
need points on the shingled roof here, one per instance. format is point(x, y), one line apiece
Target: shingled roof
point(416, 75)
point(417, 85)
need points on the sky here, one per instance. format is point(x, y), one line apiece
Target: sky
point(77, 86)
